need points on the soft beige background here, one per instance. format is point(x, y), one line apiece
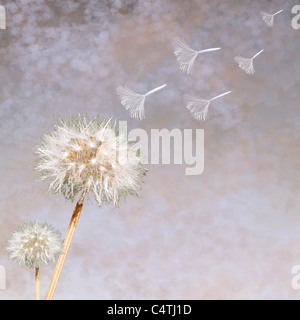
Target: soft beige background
point(231, 233)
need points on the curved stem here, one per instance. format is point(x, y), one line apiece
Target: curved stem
point(67, 242)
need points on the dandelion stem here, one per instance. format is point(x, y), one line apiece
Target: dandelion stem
point(37, 283)
point(66, 246)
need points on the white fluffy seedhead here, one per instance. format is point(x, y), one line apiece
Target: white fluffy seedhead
point(245, 64)
point(90, 156)
point(33, 244)
point(132, 101)
point(185, 55)
point(197, 107)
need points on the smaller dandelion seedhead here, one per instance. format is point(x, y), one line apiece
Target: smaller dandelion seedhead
point(33, 244)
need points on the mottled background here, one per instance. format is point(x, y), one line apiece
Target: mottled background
point(230, 233)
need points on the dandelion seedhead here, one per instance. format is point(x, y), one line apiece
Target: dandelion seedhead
point(33, 244)
point(90, 156)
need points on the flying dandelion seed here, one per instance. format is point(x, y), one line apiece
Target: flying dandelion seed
point(88, 157)
point(247, 64)
point(199, 107)
point(134, 102)
point(186, 56)
point(33, 244)
point(269, 18)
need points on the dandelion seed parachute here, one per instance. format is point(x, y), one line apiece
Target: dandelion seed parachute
point(269, 18)
point(134, 102)
point(186, 56)
point(199, 107)
point(247, 64)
